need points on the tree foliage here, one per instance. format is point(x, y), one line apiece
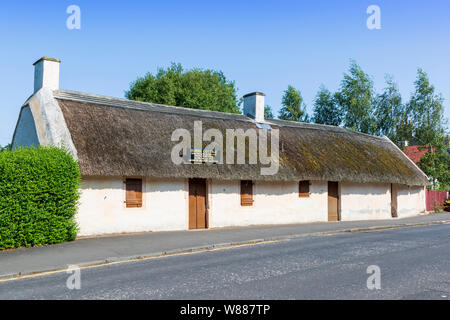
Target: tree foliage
point(268, 113)
point(427, 125)
point(420, 121)
point(196, 88)
point(389, 112)
point(436, 165)
point(293, 108)
point(426, 111)
point(355, 98)
point(326, 110)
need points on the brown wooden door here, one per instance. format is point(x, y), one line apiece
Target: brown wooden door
point(133, 193)
point(246, 192)
point(197, 204)
point(333, 201)
point(394, 200)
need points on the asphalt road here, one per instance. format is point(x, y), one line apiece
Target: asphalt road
point(414, 264)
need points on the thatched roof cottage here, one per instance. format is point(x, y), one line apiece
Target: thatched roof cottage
point(138, 176)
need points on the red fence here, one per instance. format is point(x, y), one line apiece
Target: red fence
point(435, 198)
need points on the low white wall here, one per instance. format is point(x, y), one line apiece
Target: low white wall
point(365, 201)
point(102, 209)
point(410, 201)
point(274, 203)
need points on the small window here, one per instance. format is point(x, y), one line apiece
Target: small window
point(246, 192)
point(133, 193)
point(303, 189)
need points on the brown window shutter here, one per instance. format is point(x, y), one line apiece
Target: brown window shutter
point(246, 193)
point(303, 189)
point(133, 193)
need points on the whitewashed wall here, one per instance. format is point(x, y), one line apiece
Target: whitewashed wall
point(274, 203)
point(41, 122)
point(410, 201)
point(25, 134)
point(365, 201)
point(102, 209)
point(166, 204)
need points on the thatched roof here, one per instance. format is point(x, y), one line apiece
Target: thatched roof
point(118, 137)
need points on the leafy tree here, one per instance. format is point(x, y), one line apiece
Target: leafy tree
point(326, 110)
point(427, 126)
point(404, 130)
point(196, 88)
point(426, 111)
point(437, 167)
point(268, 114)
point(293, 108)
point(356, 98)
point(389, 111)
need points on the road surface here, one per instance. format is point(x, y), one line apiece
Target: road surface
point(414, 263)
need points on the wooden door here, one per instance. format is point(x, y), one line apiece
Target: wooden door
point(197, 204)
point(333, 201)
point(394, 200)
point(133, 197)
point(246, 192)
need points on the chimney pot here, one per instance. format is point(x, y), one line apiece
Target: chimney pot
point(254, 106)
point(46, 73)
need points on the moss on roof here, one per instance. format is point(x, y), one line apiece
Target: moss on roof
point(124, 141)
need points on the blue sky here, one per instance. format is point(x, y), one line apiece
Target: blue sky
point(262, 45)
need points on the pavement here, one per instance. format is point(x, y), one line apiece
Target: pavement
point(103, 250)
point(400, 263)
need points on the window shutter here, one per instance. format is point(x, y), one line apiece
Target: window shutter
point(246, 193)
point(133, 193)
point(303, 189)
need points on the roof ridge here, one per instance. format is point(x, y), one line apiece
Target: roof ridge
point(61, 95)
point(320, 126)
point(105, 100)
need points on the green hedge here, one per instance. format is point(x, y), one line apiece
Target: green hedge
point(39, 192)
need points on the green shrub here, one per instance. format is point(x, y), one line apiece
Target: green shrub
point(438, 209)
point(39, 192)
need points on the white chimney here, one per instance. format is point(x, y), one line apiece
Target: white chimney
point(254, 106)
point(46, 73)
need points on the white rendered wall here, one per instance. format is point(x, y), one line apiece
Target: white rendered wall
point(274, 203)
point(365, 201)
point(254, 107)
point(166, 204)
point(25, 134)
point(102, 209)
point(46, 75)
point(49, 124)
point(410, 200)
